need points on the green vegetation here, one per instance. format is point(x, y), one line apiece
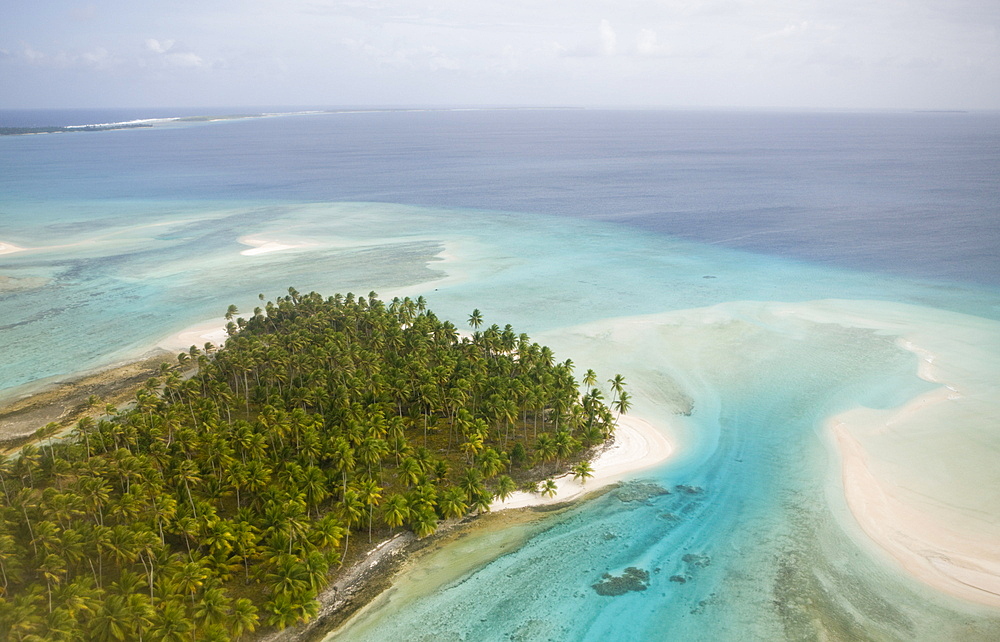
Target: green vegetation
point(223, 503)
point(57, 129)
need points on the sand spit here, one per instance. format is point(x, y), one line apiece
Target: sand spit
point(10, 248)
point(267, 246)
point(963, 563)
point(920, 479)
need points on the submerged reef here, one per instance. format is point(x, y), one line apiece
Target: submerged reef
point(633, 579)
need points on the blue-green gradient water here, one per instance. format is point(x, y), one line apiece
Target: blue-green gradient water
point(751, 275)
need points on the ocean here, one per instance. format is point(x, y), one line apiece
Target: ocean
point(775, 287)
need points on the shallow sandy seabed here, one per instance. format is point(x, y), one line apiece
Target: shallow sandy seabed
point(920, 478)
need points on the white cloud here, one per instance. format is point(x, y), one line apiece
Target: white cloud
point(609, 39)
point(425, 57)
point(788, 30)
point(32, 55)
point(96, 58)
point(168, 54)
point(525, 51)
point(188, 59)
point(159, 46)
point(647, 44)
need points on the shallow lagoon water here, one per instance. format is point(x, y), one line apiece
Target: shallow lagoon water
point(742, 357)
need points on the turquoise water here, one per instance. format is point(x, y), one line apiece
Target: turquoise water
point(741, 357)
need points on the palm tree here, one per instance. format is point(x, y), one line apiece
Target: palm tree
point(490, 463)
point(188, 473)
point(545, 447)
point(471, 484)
point(564, 444)
point(617, 385)
point(623, 404)
point(370, 494)
point(582, 471)
point(112, 621)
point(505, 487)
point(213, 607)
point(453, 503)
point(549, 488)
point(396, 511)
point(170, 622)
point(423, 522)
point(52, 569)
point(476, 319)
point(189, 577)
point(351, 509)
point(282, 611)
point(243, 619)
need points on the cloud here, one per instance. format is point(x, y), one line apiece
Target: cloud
point(189, 59)
point(33, 56)
point(604, 45)
point(647, 44)
point(96, 58)
point(169, 55)
point(788, 30)
point(157, 46)
point(609, 39)
point(426, 57)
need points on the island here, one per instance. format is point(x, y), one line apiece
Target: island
point(243, 479)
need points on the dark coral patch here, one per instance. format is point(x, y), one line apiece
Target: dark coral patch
point(633, 579)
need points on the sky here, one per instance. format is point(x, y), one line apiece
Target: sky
point(825, 54)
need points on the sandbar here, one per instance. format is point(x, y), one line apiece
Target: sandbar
point(963, 563)
point(266, 246)
point(637, 445)
point(10, 248)
point(920, 479)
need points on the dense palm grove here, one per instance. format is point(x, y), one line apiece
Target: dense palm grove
point(222, 503)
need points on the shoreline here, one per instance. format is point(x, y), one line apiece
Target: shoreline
point(198, 335)
point(950, 561)
point(937, 551)
point(636, 446)
point(64, 400)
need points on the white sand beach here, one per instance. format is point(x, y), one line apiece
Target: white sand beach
point(920, 479)
point(945, 545)
point(213, 332)
point(637, 445)
point(964, 563)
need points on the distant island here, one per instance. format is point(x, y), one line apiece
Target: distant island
point(22, 131)
point(230, 492)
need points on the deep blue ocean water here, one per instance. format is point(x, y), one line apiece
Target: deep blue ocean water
point(756, 270)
